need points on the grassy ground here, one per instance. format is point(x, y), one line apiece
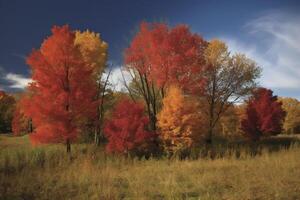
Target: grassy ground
point(48, 173)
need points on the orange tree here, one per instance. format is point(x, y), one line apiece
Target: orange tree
point(63, 91)
point(179, 122)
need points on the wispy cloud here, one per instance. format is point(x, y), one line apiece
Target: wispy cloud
point(17, 81)
point(275, 46)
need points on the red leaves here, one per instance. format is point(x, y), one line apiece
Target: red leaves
point(264, 115)
point(168, 56)
point(126, 130)
point(63, 90)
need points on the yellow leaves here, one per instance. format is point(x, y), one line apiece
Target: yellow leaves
point(216, 52)
point(292, 119)
point(92, 48)
point(179, 121)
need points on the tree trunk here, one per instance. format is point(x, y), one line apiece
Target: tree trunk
point(210, 128)
point(211, 112)
point(68, 144)
point(97, 137)
point(209, 138)
point(153, 122)
point(100, 110)
point(31, 126)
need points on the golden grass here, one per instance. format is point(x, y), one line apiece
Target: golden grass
point(48, 173)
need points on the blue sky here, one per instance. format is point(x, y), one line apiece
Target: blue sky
point(266, 31)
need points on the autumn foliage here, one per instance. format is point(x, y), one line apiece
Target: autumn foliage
point(93, 49)
point(94, 52)
point(127, 128)
point(183, 91)
point(7, 106)
point(179, 121)
point(229, 78)
point(292, 120)
point(160, 56)
point(168, 55)
point(20, 123)
point(62, 93)
point(264, 115)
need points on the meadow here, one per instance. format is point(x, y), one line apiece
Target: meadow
point(48, 172)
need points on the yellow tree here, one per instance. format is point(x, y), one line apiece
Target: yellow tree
point(93, 49)
point(229, 123)
point(179, 121)
point(94, 52)
point(230, 78)
point(292, 119)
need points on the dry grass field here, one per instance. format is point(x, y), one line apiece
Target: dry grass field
point(48, 173)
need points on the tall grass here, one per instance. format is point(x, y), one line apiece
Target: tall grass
point(49, 173)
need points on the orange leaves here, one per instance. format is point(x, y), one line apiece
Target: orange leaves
point(179, 121)
point(160, 56)
point(168, 55)
point(63, 89)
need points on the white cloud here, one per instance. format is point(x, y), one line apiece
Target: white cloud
point(276, 49)
point(17, 81)
point(117, 80)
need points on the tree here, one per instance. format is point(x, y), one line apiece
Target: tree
point(63, 91)
point(159, 56)
point(229, 123)
point(264, 115)
point(179, 121)
point(7, 107)
point(229, 78)
point(94, 52)
point(292, 120)
point(127, 130)
point(20, 123)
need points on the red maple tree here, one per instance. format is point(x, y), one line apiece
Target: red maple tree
point(160, 56)
point(264, 115)
point(126, 130)
point(62, 92)
point(168, 55)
